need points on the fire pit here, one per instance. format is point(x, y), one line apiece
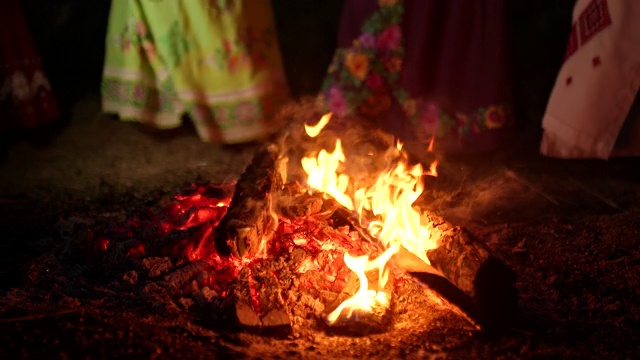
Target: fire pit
point(306, 240)
point(275, 265)
point(330, 229)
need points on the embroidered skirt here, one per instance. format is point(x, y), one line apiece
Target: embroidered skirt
point(424, 68)
point(216, 61)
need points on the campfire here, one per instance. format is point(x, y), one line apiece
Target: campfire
point(322, 230)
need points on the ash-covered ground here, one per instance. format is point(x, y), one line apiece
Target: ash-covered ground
point(570, 230)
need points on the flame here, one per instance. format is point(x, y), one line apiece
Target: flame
point(430, 148)
point(384, 208)
point(396, 221)
point(323, 175)
point(314, 130)
point(433, 169)
point(269, 230)
point(365, 299)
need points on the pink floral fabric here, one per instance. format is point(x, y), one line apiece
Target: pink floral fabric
point(369, 77)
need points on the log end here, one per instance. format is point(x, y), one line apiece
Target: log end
point(487, 281)
point(245, 316)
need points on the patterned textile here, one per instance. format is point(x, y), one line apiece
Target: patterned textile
point(590, 113)
point(425, 68)
point(217, 61)
point(26, 100)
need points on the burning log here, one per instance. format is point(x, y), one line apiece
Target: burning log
point(249, 217)
point(467, 274)
point(462, 271)
point(427, 275)
point(475, 270)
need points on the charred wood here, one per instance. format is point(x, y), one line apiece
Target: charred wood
point(245, 315)
point(487, 282)
point(249, 216)
point(433, 279)
point(466, 274)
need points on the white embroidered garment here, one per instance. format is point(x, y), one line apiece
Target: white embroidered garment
point(597, 84)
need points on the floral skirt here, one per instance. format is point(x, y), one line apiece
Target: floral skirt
point(26, 100)
point(216, 61)
point(423, 69)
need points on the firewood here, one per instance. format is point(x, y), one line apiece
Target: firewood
point(245, 315)
point(249, 217)
point(275, 323)
point(472, 267)
point(433, 279)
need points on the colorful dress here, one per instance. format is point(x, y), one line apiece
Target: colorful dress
point(26, 99)
point(591, 111)
point(217, 61)
point(424, 68)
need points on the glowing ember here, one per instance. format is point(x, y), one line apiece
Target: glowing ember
point(309, 250)
point(103, 244)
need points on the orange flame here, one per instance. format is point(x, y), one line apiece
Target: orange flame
point(391, 200)
point(431, 142)
point(365, 299)
point(314, 130)
point(433, 169)
point(323, 175)
point(385, 209)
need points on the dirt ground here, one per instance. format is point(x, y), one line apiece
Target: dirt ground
point(570, 230)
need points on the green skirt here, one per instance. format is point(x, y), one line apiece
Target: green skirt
point(216, 61)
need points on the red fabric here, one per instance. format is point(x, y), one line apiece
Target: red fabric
point(593, 19)
point(26, 100)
